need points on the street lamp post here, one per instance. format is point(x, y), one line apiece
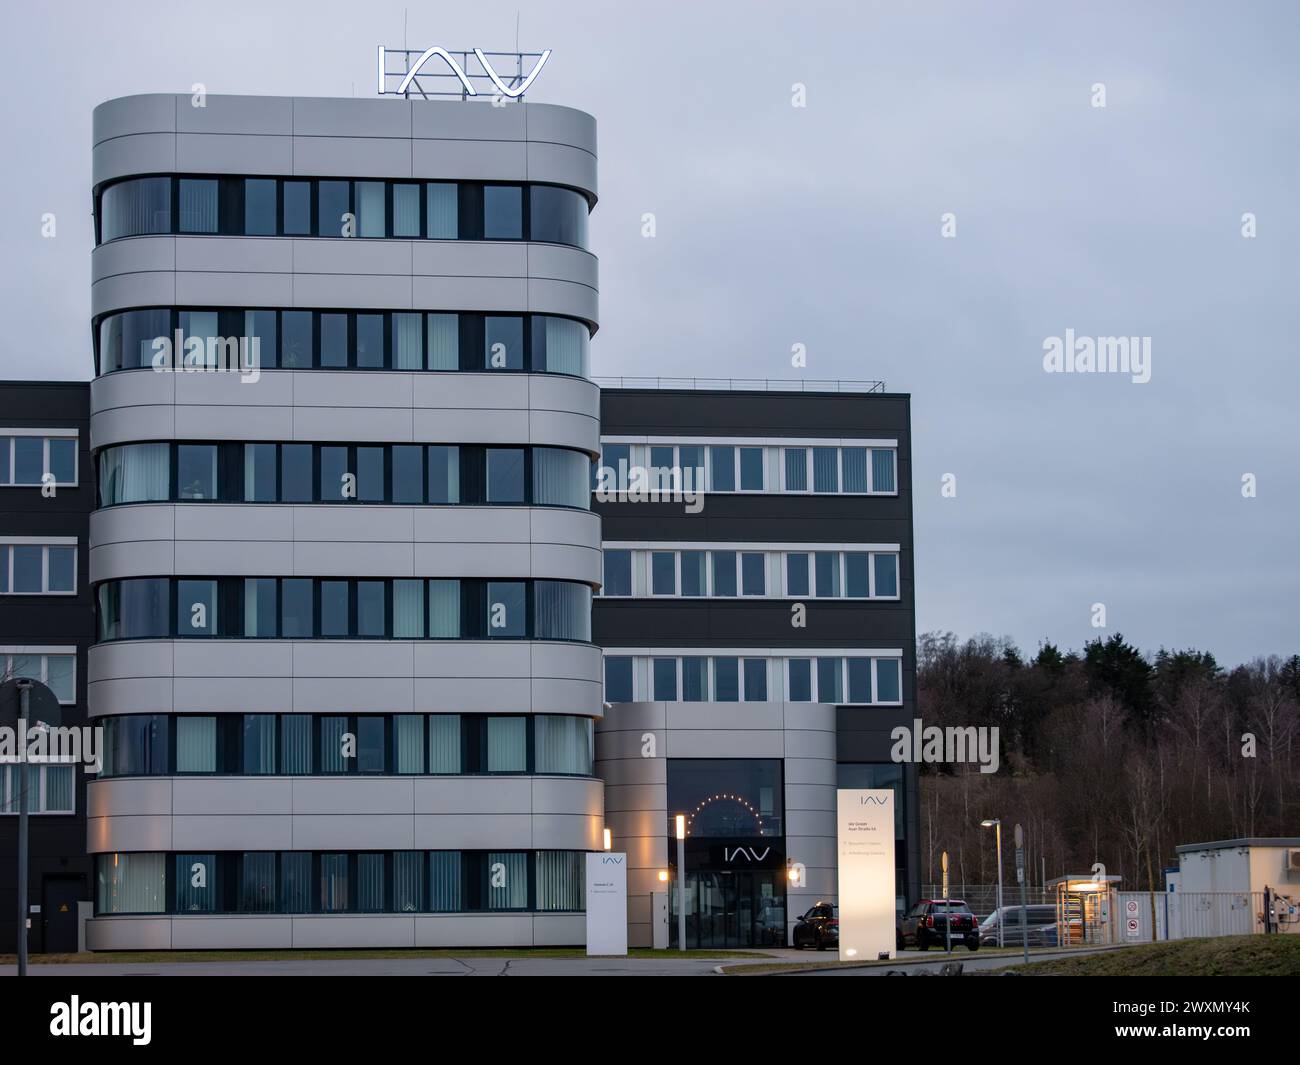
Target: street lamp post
point(24, 694)
point(995, 823)
point(681, 881)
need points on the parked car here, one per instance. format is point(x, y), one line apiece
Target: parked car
point(1038, 918)
point(819, 927)
point(926, 924)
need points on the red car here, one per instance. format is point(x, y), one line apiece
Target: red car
point(926, 924)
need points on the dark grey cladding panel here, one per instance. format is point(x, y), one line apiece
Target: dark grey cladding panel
point(750, 623)
point(771, 518)
point(651, 412)
point(862, 734)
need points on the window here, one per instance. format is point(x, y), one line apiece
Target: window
point(333, 340)
point(755, 670)
point(695, 680)
point(295, 883)
point(507, 881)
point(408, 743)
point(259, 473)
point(331, 756)
point(196, 883)
point(370, 474)
point(297, 208)
point(333, 208)
point(618, 679)
point(260, 608)
point(443, 212)
point(444, 474)
point(408, 473)
point(444, 744)
point(859, 680)
point(370, 341)
point(722, 469)
point(371, 221)
point(134, 609)
point(295, 744)
point(505, 475)
point(560, 878)
point(335, 482)
point(257, 883)
point(408, 878)
point(663, 573)
point(136, 745)
point(886, 574)
point(196, 744)
point(50, 789)
point(503, 342)
point(27, 460)
point(753, 569)
point(857, 575)
point(371, 744)
point(507, 616)
point(558, 215)
point(196, 608)
point(507, 744)
point(829, 680)
point(296, 473)
point(36, 569)
point(618, 572)
point(730, 797)
point(135, 207)
point(198, 203)
point(694, 573)
point(882, 470)
point(561, 345)
point(259, 744)
point(263, 338)
point(126, 339)
point(407, 342)
point(297, 616)
point(503, 212)
point(372, 612)
point(854, 460)
point(664, 677)
point(444, 609)
point(560, 478)
point(724, 573)
point(406, 210)
point(610, 474)
point(826, 469)
point(334, 608)
point(827, 565)
point(563, 744)
point(562, 611)
point(334, 883)
point(796, 574)
point(259, 207)
point(130, 883)
point(799, 689)
point(196, 471)
point(408, 610)
point(726, 680)
point(888, 682)
point(796, 469)
point(296, 339)
point(751, 469)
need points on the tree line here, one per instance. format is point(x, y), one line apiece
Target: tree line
point(1108, 755)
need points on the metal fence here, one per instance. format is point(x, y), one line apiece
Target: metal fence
point(1178, 914)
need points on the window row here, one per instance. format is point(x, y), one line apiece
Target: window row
point(58, 672)
point(330, 207)
point(146, 608)
point(330, 744)
point(38, 569)
point(732, 573)
point(343, 473)
point(729, 678)
point(51, 789)
point(340, 882)
point(167, 337)
point(25, 460)
point(638, 468)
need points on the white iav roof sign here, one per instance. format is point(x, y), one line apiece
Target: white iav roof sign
point(439, 72)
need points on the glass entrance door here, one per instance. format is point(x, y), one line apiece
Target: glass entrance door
point(731, 909)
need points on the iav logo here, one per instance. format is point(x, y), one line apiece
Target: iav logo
point(750, 854)
point(612, 859)
point(872, 800)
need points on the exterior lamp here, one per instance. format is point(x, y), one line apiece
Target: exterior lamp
point(996, 824)
point(609, 840)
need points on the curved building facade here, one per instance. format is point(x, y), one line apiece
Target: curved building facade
point(344, 553)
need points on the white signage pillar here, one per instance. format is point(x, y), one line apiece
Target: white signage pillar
point(865, 836)
point(606, 903)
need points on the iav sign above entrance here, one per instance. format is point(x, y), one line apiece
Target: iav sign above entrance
point(438, 72)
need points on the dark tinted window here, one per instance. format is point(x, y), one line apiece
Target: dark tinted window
point(558, 216)
point(503, 212)
point(297, 208)
point(141, 205)
point(259, 207)
point(332, 207)
point(295, 338)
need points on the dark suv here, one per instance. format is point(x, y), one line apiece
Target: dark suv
point(819, 928)
point(926, 924)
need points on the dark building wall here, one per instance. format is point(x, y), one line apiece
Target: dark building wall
point(863, 734)
point(58, 841)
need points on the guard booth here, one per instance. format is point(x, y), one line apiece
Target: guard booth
point(1087, 910)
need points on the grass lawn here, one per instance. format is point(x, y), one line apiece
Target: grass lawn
point(154, 957)
point(1276, 955)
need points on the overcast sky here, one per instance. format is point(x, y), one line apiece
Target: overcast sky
point(821, 225)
